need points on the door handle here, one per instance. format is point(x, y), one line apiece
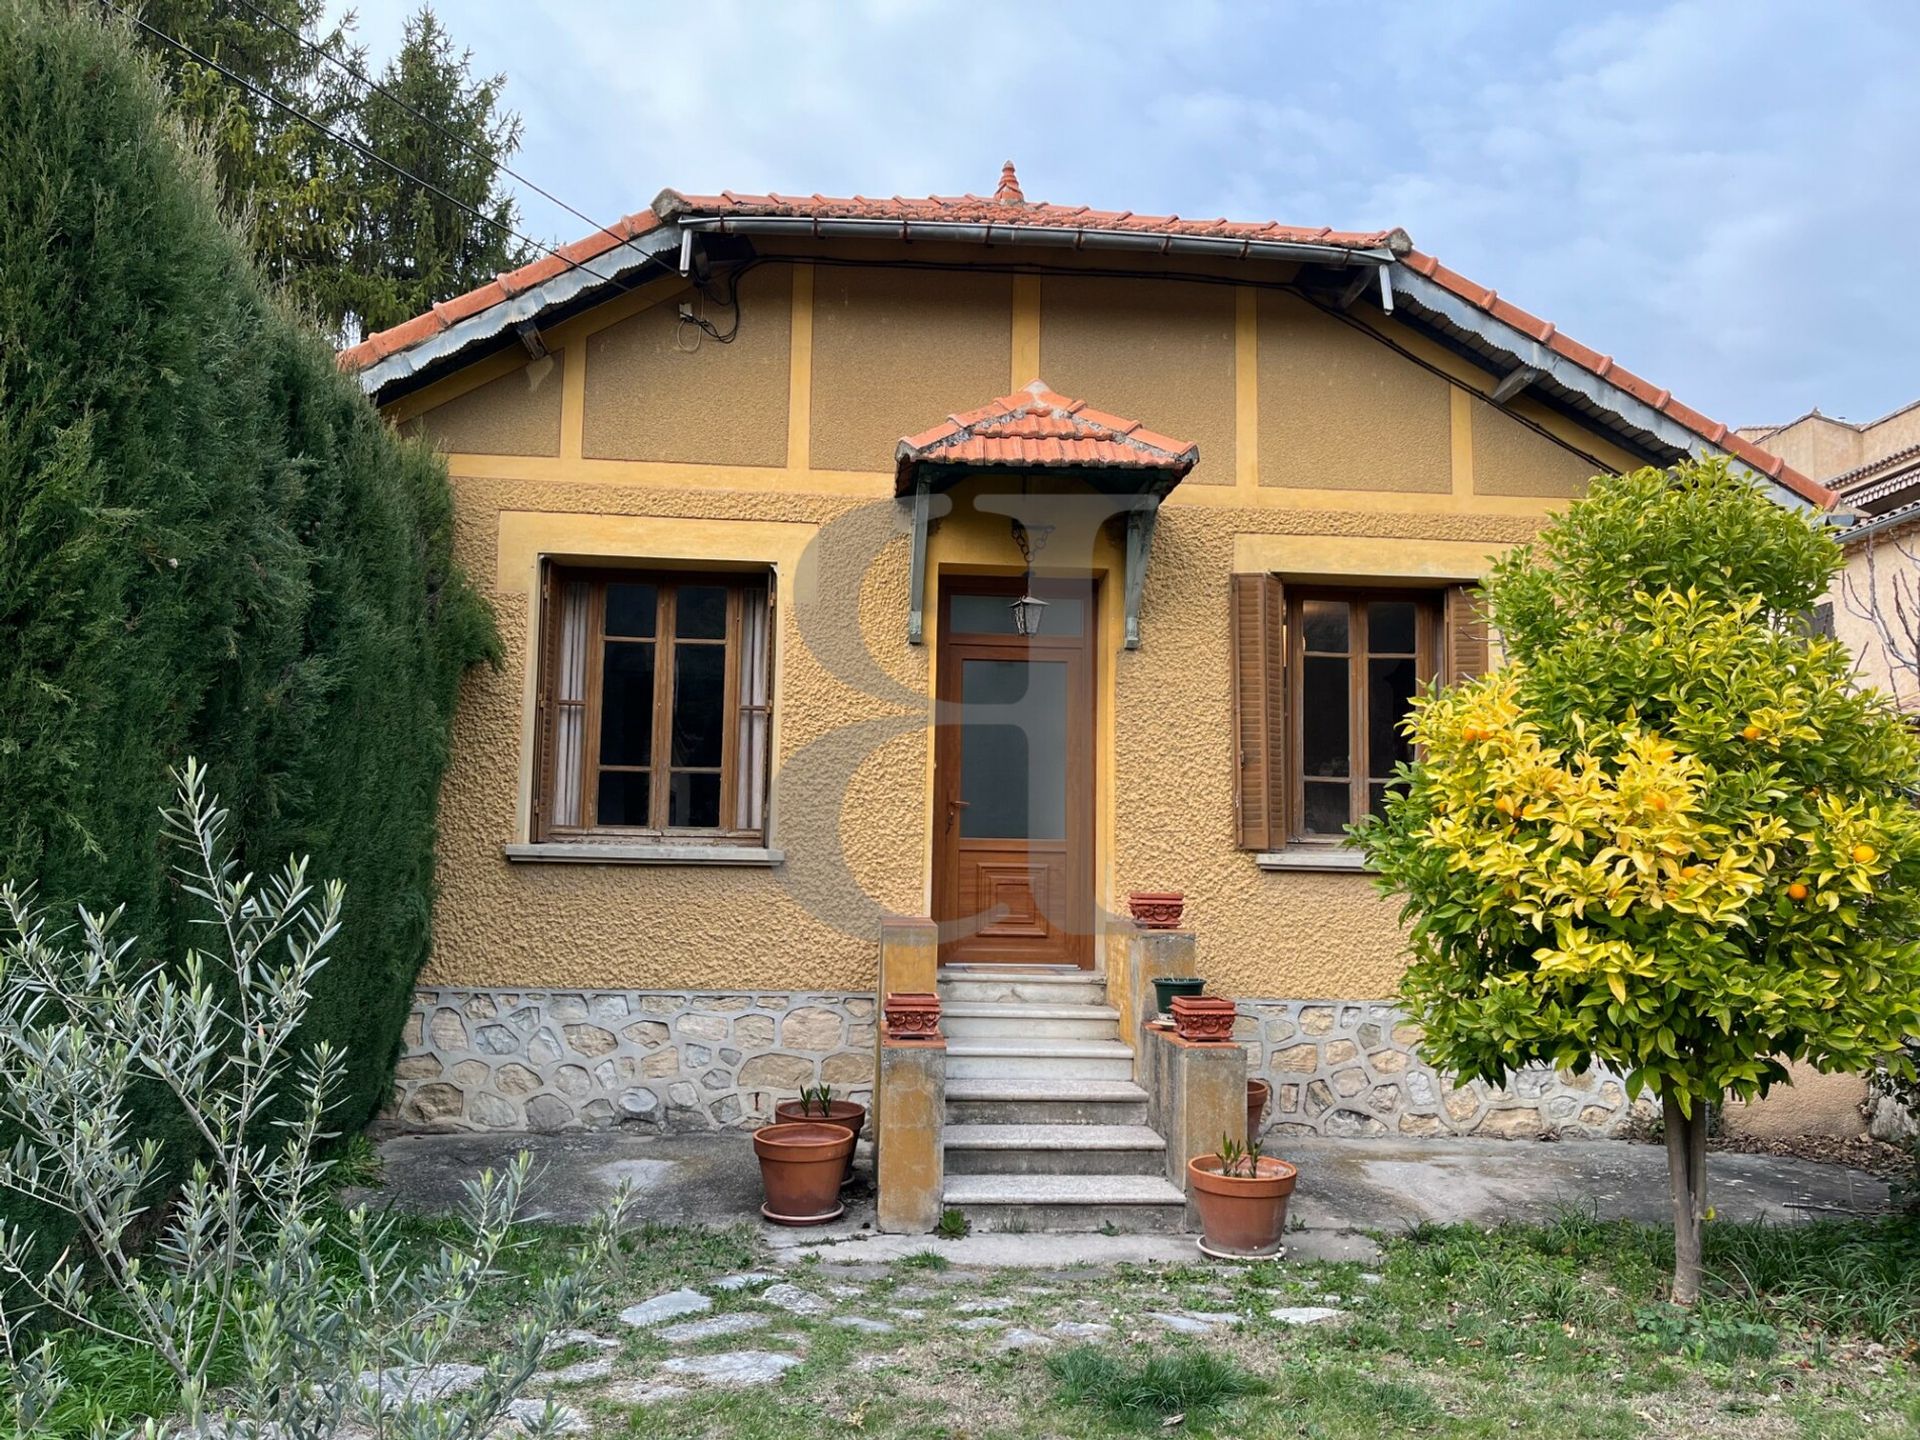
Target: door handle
point(954, 807)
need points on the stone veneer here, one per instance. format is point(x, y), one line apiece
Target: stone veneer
point(572, 1059)
point(1352, 1067)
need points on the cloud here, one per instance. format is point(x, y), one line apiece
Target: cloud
point(1710, 191)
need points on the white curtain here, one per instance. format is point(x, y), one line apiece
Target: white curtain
point(756, 718)
point(570, 704)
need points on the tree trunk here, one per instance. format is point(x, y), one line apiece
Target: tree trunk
point(1687, 1181)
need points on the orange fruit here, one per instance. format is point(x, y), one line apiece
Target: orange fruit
point(1865, 854)
point(1503, 805)
point(1657, 801)
point(1752, 732)
point(1687, 872)
point(1796, 891)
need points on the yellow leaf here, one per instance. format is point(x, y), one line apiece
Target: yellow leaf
point(1618, 986)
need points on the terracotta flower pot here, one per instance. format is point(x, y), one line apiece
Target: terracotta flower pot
point(1258, 1093)
point(843, 1113)
point(1241, 1216)
point(1156, 909)
point(911, 1016)
point(1165, 987)
point(1204, 1019)
point(800, 1168)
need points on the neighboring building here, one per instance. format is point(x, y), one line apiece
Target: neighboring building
point(1873, 609)
point(763, 682)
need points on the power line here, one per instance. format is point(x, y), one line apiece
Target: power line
point(372, 155)
point(378, 89)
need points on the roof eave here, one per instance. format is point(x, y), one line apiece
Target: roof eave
point(605, 271)
point(1525, 350)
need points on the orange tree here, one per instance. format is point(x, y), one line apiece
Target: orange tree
point(1669, 835)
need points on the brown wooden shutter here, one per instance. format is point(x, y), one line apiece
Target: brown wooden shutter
point(545, 657)
point(1464, 627)
point(1259, 710)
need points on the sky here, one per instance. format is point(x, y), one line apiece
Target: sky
point(1713, 193)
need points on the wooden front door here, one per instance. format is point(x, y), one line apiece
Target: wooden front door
point(1013, 777)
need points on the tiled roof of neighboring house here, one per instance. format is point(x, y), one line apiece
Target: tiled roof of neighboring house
point(1009, 208)
point(1034, 429)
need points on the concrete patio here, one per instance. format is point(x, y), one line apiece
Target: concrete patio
point(1348, 1189)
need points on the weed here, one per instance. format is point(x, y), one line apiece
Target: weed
point(924, 1260)
point(953, 1225)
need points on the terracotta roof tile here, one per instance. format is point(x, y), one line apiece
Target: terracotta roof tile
point(1036, 429)
point(1009, 207)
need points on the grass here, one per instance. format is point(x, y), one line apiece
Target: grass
point(1557, 1332)
point(1187, 1382)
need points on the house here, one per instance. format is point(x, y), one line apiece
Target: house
point(980, 560)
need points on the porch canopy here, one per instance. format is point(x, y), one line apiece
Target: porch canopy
point(1034, 433)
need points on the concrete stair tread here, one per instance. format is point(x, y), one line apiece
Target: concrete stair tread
point(1025, 1010)
point(1054, 1049)
point(1012, 1088)
point(1053, 1137)
point(1061, 1190)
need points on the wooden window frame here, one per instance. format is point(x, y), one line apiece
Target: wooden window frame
point(1427, 654)
point(660, 769)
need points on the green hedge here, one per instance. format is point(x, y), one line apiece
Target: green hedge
point(209, 545)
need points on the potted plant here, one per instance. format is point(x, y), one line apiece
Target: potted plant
point(1258, 1093)
point(817, 1103)
point(801, 1165)
point(1165, 987)
point(1242, 1198)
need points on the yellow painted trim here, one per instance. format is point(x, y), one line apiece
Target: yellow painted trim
point(526, 537)
point(468, 378)
point(1026, 332)
point(573, 401)
point(1462, 441)
point(621, 307)
point(1246, 388)
point(1368, 557)
point(800, 371)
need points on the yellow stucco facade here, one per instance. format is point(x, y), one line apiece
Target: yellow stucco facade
point(1326, 453)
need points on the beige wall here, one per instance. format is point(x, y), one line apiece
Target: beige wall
point(1822, 447)
point(1344, 459)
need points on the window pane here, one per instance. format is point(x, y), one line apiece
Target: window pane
point(1390, 685)
point(693, 801)
point(623, 797)
point(1377, 797)
point(626, 704)
point(700, 612)
point(1390, 627)
point(630, 608)
point(1013, 757)
point(1327, 807)
point(699, 703)
point(1324, 623)
point(993, 615)
point(1323, 717)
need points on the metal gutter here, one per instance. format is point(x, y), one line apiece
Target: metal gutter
point(1523, 349)
point(1057, 236)
point(601, 271)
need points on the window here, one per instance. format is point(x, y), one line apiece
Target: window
point(1356, 663)
point(655, 700)
point(1321, 680)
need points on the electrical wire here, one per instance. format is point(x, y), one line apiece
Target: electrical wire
point(371, 154)
point(376, 88)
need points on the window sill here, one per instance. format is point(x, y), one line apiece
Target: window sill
point(644, 853)
point(1326, 859)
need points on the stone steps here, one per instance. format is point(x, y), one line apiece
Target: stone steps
point(1136, 1204)
point(1038, 985)
point(1009, 1059)
point(1041, 1149)
point(986, 1020)
point(1000, 1101)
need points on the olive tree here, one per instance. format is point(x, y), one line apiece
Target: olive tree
point(1668, 835)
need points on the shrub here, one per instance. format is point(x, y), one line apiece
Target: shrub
point(236, 1297)
point(213, 546)
point(1670, 836)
